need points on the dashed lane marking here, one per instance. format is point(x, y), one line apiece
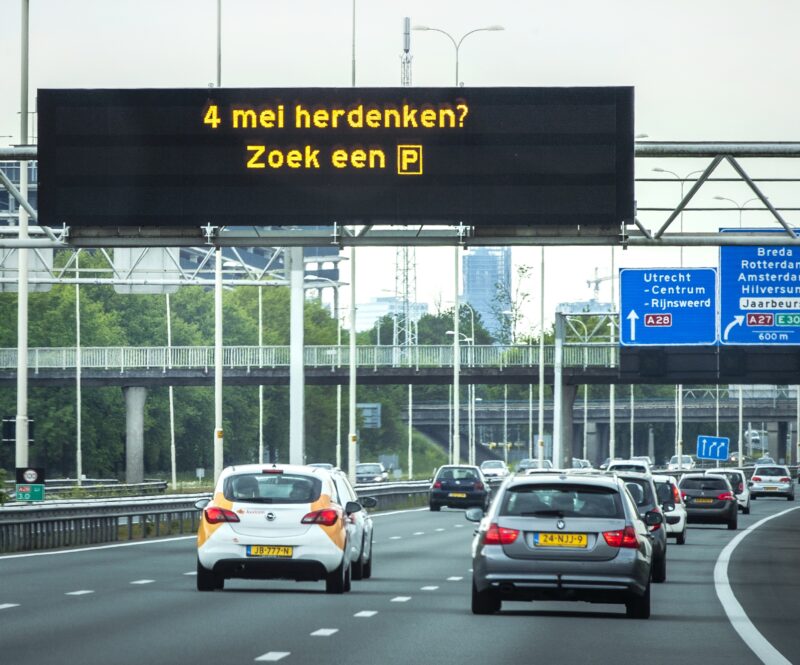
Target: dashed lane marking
point(400, 599)
point(365, 614)
point(440, 529)
point(419, 533)
point(324, 632)
point(82, 592)
point(142, 581)
point(396, 538)
point(455, 578)
point(191, 572)
point(7, 606)
point(428, 588)
point(273, 656)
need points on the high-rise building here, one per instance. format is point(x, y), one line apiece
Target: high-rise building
point(487, 284)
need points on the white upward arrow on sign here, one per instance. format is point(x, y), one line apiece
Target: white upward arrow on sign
point(632, 318)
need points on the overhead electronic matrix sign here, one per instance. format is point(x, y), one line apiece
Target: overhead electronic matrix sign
point(668, 306)
point(759, 295)
point(552, 157)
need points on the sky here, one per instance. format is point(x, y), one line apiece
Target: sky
point(709, 70)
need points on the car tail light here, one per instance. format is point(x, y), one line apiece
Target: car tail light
point(479, 485)
point(684, 496)
point(500, 535)
point(437, 485)
point(325, 517)
point(622, 538)
point(676, 494)
point(272, 471)
point(740, 488)
point(725, 496)
point(756, 479)
point(785, 480)
point(216, 515)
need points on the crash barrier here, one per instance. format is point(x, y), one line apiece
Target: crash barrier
point(56, 524)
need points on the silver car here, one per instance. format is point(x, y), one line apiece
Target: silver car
point(771, 480)
point(562, 537)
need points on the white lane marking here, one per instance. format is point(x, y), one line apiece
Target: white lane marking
point(400, 512)
point(396, 538)
point(272, 656)
point(440, 529)
point(458, 526)
point(6, 606)
point(428, 588)
point(419, 533)
point(191, 572)
point(736, 615)
point(366, 614)
point(142, 581)
point(98, 547)
point(82, 592)
point(455, 578)
point(400, 599)
point(324, 632)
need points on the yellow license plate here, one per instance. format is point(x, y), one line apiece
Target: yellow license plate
point(560, 539)
point(704, 500)
point(282, 551)
point(458, 495)
point(770, 487)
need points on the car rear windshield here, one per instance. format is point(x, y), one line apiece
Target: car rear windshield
point(456, 473)
point(369, 468)
point(272, 488)
point(664, 492)
point(544, 500)
point(629, 467)
point(770, 471)
point(641, 490)
point(493, 465)
point(704, 484)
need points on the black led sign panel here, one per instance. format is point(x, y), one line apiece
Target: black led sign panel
point(313, 156)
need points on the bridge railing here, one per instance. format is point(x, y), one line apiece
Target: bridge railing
point(202, 357)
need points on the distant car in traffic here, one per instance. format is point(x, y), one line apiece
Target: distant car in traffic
point(562, 537)
point(371, 472)
point(533, 463)
point(322, 465)
point(636, 465)
point(771, 480)
point(283, 522)
point(739, 486)
point(686, 462)
point(709, 499)
point(459, 486)
point(673, 506)
point(643, 490)
point(494, 469)
point(765, 459)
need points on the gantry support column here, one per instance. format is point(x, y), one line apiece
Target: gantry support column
point(134, 433)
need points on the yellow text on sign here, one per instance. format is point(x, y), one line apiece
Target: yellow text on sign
point(409, 159)
point(263, 157)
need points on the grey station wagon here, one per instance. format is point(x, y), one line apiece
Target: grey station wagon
point(563, 537)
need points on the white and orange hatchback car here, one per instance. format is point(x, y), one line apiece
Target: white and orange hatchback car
point(283, 521)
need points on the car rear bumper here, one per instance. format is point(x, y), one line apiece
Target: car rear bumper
point(783, 490)
point(712, 515)
point(262, 568)
point(471, 499)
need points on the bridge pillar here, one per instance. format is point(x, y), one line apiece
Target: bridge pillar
point(568, 394)
point(776, 435)
point(134, 433)
point(592, 441)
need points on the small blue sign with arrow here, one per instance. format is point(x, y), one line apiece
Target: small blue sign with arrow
point(668, 306)
point(713, 447)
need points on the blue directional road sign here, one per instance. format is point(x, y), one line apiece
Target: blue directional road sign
point(713, 447)
point(668, 306)
point(759, 295)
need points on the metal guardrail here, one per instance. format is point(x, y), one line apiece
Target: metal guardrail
point(249, 357)
point(58, 524)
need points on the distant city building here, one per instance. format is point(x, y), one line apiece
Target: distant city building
point(370, 312)
point(487, 284)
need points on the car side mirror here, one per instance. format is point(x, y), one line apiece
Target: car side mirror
point(200, 504)
point(668, 506)
point(474, 514)
point(352, 507)
point(368, 501)
point(652, 518)
point(749, 483)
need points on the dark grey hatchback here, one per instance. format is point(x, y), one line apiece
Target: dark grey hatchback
point(459, 486)
point(709, 498)
point(561, 537)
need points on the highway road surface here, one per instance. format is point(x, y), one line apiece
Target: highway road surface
point(137, 604)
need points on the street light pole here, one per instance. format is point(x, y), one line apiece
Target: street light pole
point(456, 367)
point(457, 44)
point(736, 203)
point(541, 361)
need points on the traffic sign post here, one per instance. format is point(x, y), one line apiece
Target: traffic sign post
point(759, 295)
point(668, 306)
point(713, 447)
point(30, 484)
